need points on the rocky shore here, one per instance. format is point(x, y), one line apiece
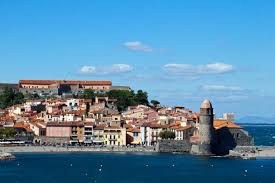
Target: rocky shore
point(253, 152)
point(6, 156)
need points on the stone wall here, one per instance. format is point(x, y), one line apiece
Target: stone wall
point(53, 140)
point(4, 85)
point(228, 139)
point(173, 146)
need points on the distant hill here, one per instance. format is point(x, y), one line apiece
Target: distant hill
point(256, 120)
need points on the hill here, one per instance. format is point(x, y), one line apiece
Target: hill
point(256, 120)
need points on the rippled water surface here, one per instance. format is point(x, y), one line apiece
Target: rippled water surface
point(263, 134)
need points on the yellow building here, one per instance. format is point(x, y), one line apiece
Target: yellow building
point(114, 136)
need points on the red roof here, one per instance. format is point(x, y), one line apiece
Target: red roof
point(154, 125)
point(184, 128)
point(65, 124)
point(70, 82)
point(224, 123)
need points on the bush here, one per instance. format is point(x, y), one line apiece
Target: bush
point(167, 135)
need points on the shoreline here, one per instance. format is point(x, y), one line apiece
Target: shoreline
point(52, 149)
point(244, 152)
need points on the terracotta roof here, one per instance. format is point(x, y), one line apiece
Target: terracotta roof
point(65, 124)
point(23, 125)
point(137, 130)
point(195, 115)
point(100, 127)
point(224, 123)
point(184, 128)
point(88, 123)
point(71, 82)
point(154, 125)
point(177, 123)
point(112, 127)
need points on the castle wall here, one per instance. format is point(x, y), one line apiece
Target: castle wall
point(173, 146)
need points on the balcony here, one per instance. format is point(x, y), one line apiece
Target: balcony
point(112, 139)
point(91, 131)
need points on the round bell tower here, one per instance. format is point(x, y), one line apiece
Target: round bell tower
point(206, 128)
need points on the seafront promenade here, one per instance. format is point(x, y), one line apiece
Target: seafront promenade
point(244, 152)
point(42, 149)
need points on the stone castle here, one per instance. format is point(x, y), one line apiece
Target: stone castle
point(217, 141)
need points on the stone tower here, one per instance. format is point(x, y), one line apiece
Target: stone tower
point(206, 129)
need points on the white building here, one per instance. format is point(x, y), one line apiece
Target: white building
point(150, 133)
point(229, 116)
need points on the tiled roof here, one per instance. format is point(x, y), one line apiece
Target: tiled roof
point(88, 123)
point(65, 124)
point(99, 127)
point(154, 125)
point(71, 82)
point(23, 125)
point(224, 123)
point(112, 127)
point(137, 130)
point(184, 128)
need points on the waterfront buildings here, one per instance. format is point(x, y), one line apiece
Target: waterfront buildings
point(59, 120)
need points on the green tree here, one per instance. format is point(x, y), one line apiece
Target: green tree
point(155, 103)
point(7, 132)
point(167, 135)
point(9, 97)
point(141, 98)
point(33, 96)
point(87, 109)
point(124, 98)
point(88, 94)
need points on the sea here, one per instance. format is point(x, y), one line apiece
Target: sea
point(141, 167)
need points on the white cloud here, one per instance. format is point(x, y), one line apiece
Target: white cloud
point(87, 69)
point(188, 69)
point(220, 88)
point(106, 70)
point(118, 68)
point(137, 46)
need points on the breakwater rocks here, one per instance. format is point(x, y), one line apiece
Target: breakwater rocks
point(45, 149)
point(253, 152)
point(6, 156)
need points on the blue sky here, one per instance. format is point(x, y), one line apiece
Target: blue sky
point(179, 51)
